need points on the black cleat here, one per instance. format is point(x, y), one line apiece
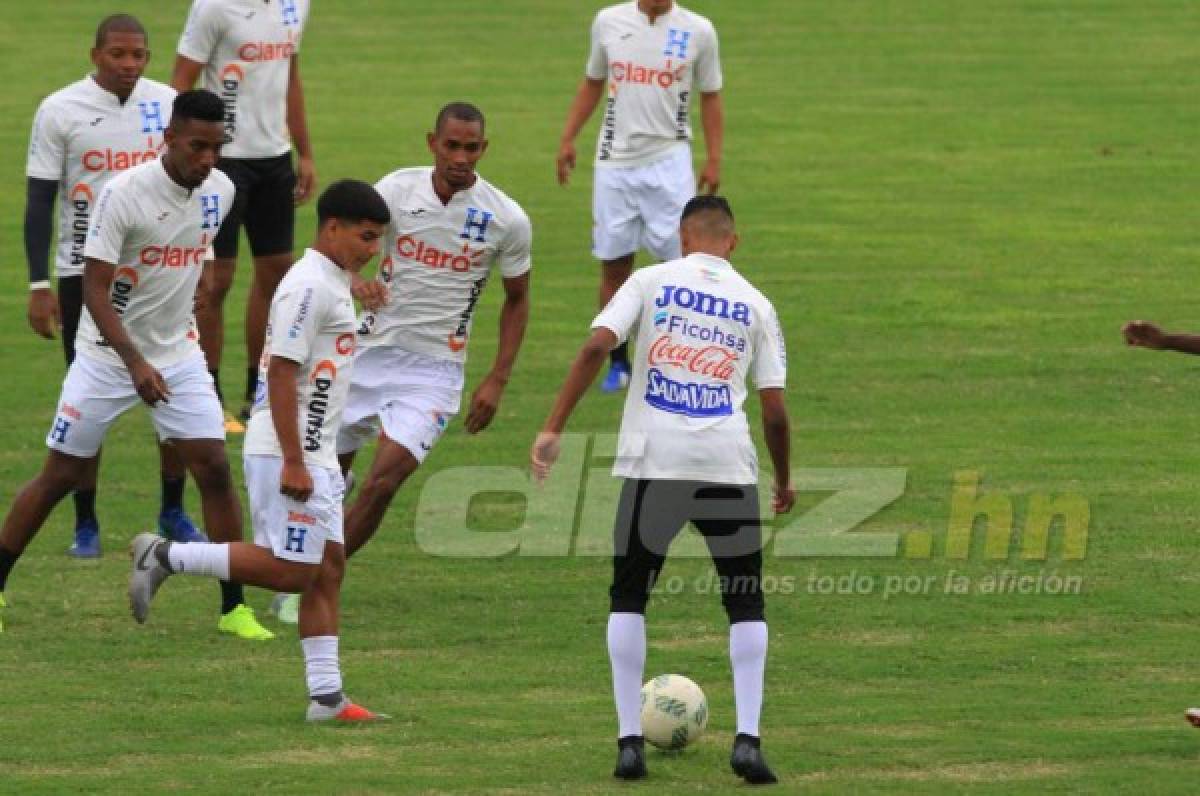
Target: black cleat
point(631, 758)
point(748, 762)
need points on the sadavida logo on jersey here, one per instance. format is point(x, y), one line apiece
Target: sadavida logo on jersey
point(687, 398)
point(322, 379)
point(704, 303)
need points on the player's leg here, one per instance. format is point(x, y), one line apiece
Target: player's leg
point(270, 229)
point(391, 467)
point(87, 526)
point(728, 517)
point(647, 520)
point(192, 420)
point(616, 230)
point(173, 520)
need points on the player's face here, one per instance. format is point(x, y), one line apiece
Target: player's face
point(193, 148)
point(456, 148)
point(655, 7)
point(121, 61)
point(354, 244)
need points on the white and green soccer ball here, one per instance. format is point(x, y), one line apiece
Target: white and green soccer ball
point(674, 711)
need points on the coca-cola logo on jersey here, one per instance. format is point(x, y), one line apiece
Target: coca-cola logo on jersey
point(629, 72)
point(711, 361)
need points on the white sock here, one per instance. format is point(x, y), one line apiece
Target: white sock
point(627, 652)
point(200, 558)
point(748, 658)
point(321, 667)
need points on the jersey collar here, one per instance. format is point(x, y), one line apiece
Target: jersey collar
point(104, 95)
point(700, 258)
point(331, 269)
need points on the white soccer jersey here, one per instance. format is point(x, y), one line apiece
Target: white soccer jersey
point(701, 330)
point(311, 323)
point(438, 260)
point(82, 136)
point(651, 71)
point(246, 47)
point(158, 234)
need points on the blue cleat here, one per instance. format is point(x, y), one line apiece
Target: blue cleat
point(87, 541)
point(174, 524)
point(617, 378)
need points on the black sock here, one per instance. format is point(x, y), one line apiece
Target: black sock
point(620, 354)
point(85, 506)
point(216, 377)
point(231, 595)
point(251, 382)
point(328, 700)
point(172, 493)
point(7, 560)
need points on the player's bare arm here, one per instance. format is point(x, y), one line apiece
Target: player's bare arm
point(777, 432)
point(586, 99)
point(514, 317)
point(587, 364)
point(297, 122)
point(1144, 334)
point(712, 117)
point(97, 286)
point(43, 310)
point(185, 74)
point(294, 480)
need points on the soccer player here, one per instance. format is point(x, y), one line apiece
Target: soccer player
point(450, 227)
point(150, 232)
point(651, 55)
point(248, 53)
point(686, 455)
point(82, 135)
point(291, 462)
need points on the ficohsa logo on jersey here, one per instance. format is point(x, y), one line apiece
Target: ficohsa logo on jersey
point(81, 208)
point(321, 379)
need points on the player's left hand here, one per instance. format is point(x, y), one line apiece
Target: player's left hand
point(544, 454)
point(710, 178)
point(484, 402)
point(306, 180)
point(371, 293)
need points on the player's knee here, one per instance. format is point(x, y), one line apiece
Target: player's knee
point(384, 485)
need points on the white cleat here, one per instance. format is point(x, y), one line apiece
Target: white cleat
point(147, 574)
point(286, 608)
point(345, 712)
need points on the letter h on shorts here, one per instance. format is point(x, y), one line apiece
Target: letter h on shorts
point(480, 226)
point(295, 539)
point(677, 43)
point(59, 432)
point(152, 116)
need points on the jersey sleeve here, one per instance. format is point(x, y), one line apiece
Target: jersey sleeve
point(296, 321)
point(769, 366)
point(624, 310)
point(109, 227)
point(201, 32)
point(597, 62)
point(708, 76)
point(515, 258)
point(47, 145)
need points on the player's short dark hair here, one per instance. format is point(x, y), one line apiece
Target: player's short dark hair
point(119, 23)
point(710, 216)
point(709, 203)
point(463, 111)
point(199, 104)
point(354, 201)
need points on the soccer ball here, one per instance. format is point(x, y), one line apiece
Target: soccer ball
point(674, 711)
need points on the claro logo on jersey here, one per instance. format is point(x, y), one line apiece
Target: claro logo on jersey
point(418, 251)
point(638, 75)
point(457, 340)
point(322, 379)
point(256, 51)
point(172, 256)
point(232, 77)
point(120, 159)
point(81, 207)
point(704, 303)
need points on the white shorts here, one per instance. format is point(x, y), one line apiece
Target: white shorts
point(94, 394)
point(639, 207)
point(291, 529)
point(410, 397)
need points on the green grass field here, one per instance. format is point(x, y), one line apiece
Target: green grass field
point(954, 206)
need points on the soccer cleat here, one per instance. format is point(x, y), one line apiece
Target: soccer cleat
point(242, 623)
point(176, 525)
point(148, 574)
point(617, 378)
point(1192, 714)
point(87, 540)
point(631, 758)
point(748, 762)
point(345, 711)
point(286, 608)
point(233, 425)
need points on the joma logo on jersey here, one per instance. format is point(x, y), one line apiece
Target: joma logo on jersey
point(477, 222)
point(677, 42)
point(152, 116)
point(704, 303)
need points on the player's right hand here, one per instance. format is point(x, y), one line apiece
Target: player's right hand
point(151, 386)
point(1144, 334)
point(784, 498)
point(295, 480)
point(566, 161)
point(544, 454)
point(372, 294)
point(43, 313)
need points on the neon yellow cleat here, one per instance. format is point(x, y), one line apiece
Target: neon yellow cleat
point(241, 622)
